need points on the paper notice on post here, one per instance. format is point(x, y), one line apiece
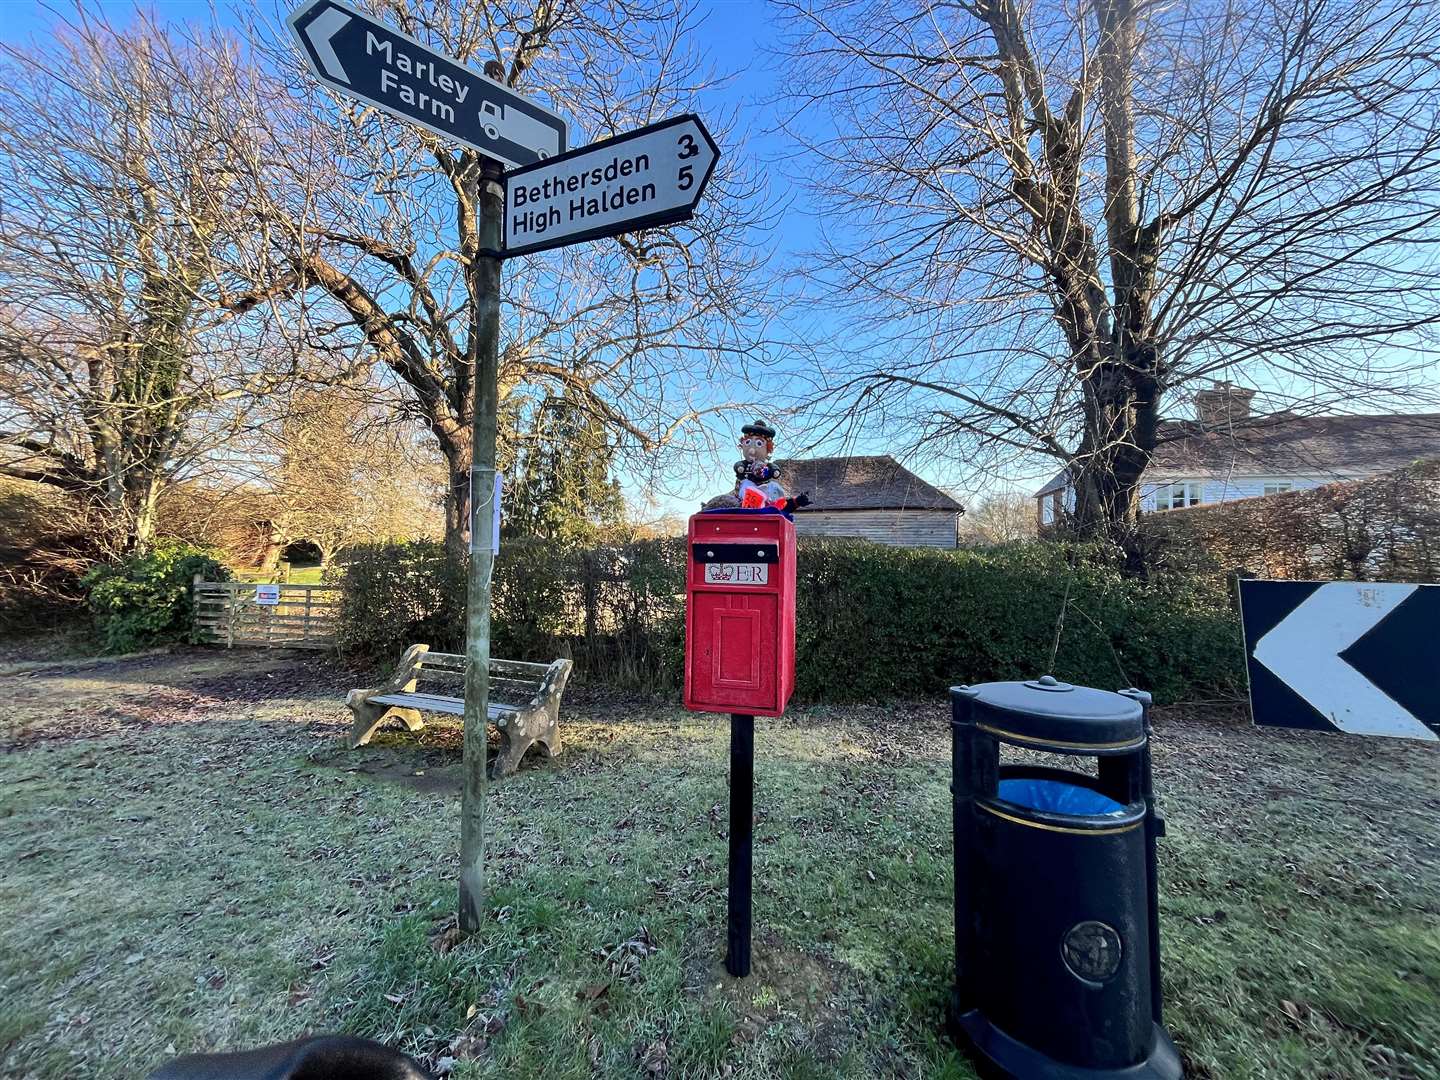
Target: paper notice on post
point(495, 513)
point(479, 533)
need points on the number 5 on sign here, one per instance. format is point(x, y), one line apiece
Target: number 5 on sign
point(645, 178)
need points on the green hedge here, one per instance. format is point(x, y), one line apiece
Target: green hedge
point(877, 621)
point(874, 622)
point(147, 599)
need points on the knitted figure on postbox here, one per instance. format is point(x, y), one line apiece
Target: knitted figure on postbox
point(757, 478)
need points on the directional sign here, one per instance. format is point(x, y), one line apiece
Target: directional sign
point(1355, 656)
point(647, 177)
point(360, 56)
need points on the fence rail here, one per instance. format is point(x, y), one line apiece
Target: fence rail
point(302, 617)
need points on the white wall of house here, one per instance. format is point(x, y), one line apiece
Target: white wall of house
point(1165, 492)
point(1055, 504)
point(899, 528)
point(1162, 491)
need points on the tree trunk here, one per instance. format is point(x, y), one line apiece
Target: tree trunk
point(124, 511)
point(457, 507)
point(1121, 404)
point(142, 532)
point(270, 554)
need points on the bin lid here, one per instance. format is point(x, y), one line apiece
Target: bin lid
point(1050, 713)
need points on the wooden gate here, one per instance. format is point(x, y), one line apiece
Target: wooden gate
point(301, 616)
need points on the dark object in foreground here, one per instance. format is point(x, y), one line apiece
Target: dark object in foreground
point(1057, 938)
point(322, 1057)
point(742, 825)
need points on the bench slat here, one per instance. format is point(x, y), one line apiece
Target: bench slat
point(452, 660)
point(436, 703)
point(512, 689)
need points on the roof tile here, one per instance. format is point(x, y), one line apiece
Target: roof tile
point(1287, 443)
point(861, 483)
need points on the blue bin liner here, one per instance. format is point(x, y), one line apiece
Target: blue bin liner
point(1058, 797)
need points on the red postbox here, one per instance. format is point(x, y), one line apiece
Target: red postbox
point(740, 614)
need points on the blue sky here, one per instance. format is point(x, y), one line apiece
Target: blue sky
point(736, 36)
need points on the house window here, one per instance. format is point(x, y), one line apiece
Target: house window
point(1278, 486)
point(1174, 496)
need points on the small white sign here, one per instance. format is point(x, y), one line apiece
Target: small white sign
point(737, 573)
point(267, 594)
point(478, 512)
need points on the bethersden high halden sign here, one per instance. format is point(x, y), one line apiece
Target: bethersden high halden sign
point(591, 192)
point(644, 178)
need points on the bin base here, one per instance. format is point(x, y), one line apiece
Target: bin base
point(999, 1056)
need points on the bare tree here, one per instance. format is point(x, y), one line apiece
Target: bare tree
point(999, 519)
point(648, 332)
point(336, 474)
point(127, 270)
point(1057, 217)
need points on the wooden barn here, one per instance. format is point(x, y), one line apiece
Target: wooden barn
point(873, 498)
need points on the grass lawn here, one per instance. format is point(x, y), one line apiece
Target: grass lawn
point(301, 575)
point(191, 862)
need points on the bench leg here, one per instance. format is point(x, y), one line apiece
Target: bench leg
point(522, 731)
point(514, 741)
point(549, 736)
point(369, 717)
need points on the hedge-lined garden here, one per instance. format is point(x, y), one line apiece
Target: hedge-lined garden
point(874, 622)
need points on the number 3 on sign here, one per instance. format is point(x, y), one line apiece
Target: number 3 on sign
point(688, 149)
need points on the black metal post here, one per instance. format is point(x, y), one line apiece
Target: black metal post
point(742, 816)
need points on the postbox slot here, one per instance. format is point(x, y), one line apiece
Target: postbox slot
point(756, 552)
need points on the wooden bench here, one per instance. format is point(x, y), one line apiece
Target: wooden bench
point(524, 701)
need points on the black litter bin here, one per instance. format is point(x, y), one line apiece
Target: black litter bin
point(1057, 958)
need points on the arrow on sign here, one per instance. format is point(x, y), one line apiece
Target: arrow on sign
point(360, 56)
point(652, 176)
point(1303, 650)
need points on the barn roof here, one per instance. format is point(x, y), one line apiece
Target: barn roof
point(862, 483)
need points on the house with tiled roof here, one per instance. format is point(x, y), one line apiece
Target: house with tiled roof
point(873, 498)
point(1228, 452)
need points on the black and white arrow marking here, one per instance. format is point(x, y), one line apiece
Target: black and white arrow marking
point(1358, 657)
point(320, 32)
point(363, 57)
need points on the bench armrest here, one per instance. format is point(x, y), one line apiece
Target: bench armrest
point(553, 685)
point(402, 681)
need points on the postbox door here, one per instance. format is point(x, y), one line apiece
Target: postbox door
point(734, 666)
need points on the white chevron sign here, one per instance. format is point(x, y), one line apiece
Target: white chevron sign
point(1303, 650)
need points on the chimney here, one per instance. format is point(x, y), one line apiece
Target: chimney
point(1222, 406)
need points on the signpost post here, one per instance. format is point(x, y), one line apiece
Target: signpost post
point(642, 179)
point(488, 200)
